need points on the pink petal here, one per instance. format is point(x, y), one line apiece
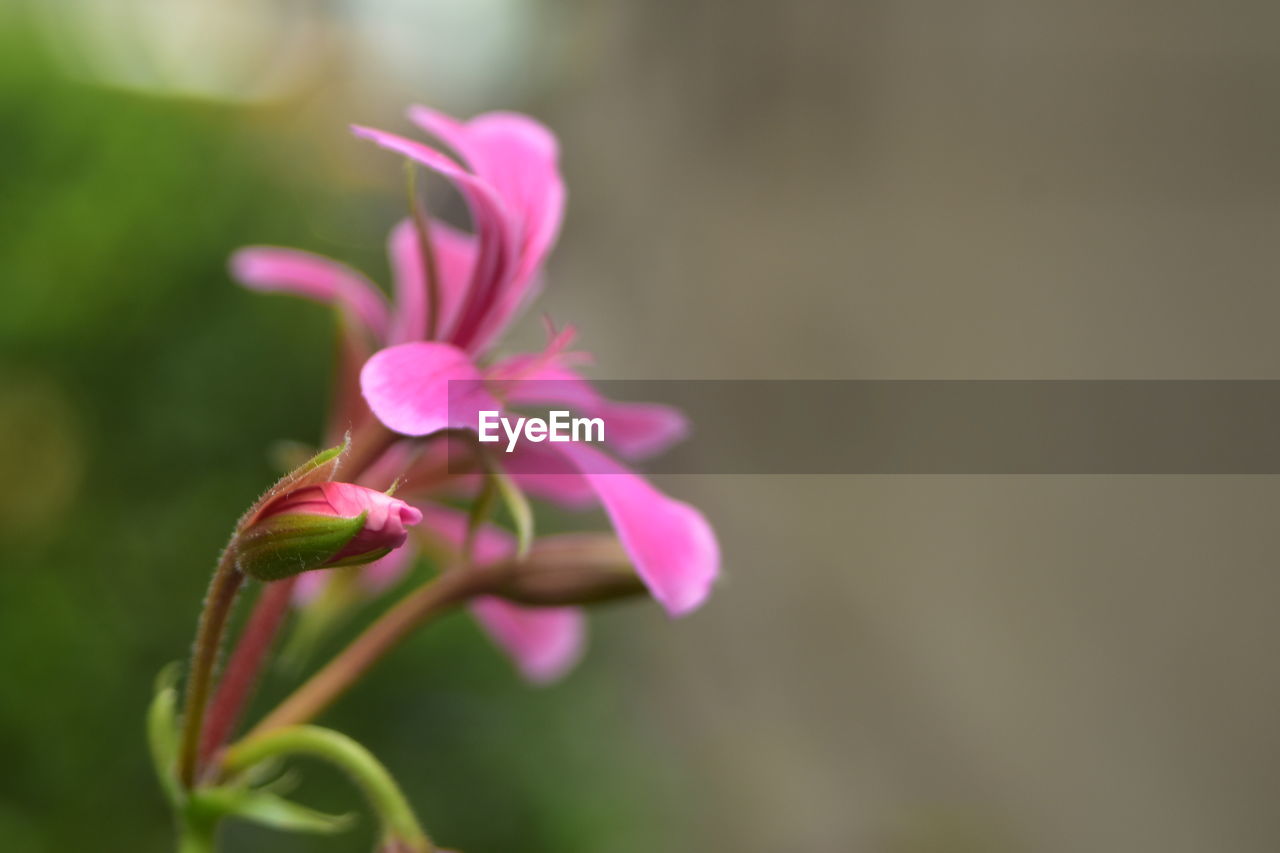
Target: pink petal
point(408, 388)
point(544, 642)
point(673, 547)
point(313, 277)
point(518, 157)
point(455, 257)
point(490, 218)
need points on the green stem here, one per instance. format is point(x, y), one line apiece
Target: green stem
point(197, 835)
point(204, 658)
point(398, 821)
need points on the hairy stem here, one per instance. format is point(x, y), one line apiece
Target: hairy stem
point(245, 665)
point(400, 826)
point(255, 641)
point(385, 634)
point(204, 659)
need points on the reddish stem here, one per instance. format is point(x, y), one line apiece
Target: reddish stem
point(255, 641)
point(245, 666)
point(388, 631)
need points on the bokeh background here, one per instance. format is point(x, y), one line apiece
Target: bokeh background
point(827, 189)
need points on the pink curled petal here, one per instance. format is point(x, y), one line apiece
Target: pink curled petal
point(479, 195)
point(544, 642)
point(674, 549)
point(408, 388)
point(267, 268)
point(518, 157)
point(309, 586)
point(495, 240)
point(455, 258)
point(409, 322)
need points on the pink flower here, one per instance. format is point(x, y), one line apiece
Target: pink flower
point(508, 175)
point(320, 527)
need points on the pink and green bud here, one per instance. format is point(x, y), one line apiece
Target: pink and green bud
point(322, 526)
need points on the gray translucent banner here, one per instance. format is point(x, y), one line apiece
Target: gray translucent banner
point(914, 427)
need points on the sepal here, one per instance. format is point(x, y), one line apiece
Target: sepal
point(285, 545)
point(264, 808)
point(318, 469)
point(162, 732)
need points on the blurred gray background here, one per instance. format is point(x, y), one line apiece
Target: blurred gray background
point(938, 190)
point(874, 190)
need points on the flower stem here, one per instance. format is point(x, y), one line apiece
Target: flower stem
point(323, 688)
point(204, 658)
point(197, 835)
point(245, 665)
point(250, 652)
point(400, 826)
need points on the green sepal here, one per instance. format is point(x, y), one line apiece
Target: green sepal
point(358, 559)
point(288, 455)
point(518, 506)
point(265, 808)
point(162, 732)
point(318, 469)
point(477, 515)
point(285, 545)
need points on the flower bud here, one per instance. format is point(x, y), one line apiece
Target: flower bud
point(571, 568)
point(322, 526)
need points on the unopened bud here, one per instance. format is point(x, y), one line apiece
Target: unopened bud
point(322, 526)
point(580, 568)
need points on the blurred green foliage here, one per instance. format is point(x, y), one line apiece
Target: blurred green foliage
point(139, 391)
